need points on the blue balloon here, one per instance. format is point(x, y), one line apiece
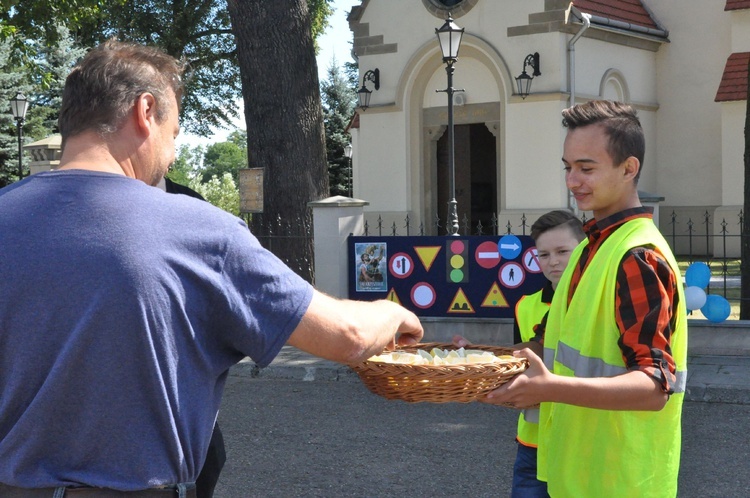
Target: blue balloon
point(717, 309)
point(698, 275)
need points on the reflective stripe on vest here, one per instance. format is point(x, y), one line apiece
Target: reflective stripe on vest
point(595, 367)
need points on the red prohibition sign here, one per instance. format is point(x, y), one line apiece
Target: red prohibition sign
point(531, 260)
point(401, 265)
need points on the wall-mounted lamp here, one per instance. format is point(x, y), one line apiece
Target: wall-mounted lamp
point(363, 93)
point(524, 80)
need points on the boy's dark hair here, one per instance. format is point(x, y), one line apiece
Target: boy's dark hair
point(620, 123)
point(555, 219)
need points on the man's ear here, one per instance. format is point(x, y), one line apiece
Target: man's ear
point(145, 113)
point(631, 167)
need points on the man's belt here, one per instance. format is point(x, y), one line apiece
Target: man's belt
point(180, 491)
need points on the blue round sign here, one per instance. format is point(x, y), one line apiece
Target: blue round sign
point(509, 246)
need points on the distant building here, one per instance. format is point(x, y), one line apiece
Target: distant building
point(681, 63)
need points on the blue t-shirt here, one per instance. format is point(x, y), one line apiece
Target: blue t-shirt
point(122, 309)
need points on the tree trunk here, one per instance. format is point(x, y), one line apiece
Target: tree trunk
point(285, 134)
point(745, 238)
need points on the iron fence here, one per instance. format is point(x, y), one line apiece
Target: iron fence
point(693, 236)
point(277, 235)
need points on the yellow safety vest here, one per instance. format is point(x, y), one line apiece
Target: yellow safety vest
point(530, 311)
point(584, 452)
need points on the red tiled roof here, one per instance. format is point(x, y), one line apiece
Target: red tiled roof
point(737, 5)
point(733, 84)
point(630, 11)
point(354, 123)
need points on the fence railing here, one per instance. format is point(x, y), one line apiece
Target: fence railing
point(692, 237)
point(276, 234)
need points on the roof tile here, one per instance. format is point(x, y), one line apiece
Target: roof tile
point(630, 11)
point(737, 5)
point(733, 84)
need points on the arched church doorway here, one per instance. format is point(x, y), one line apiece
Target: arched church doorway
point(475, 174)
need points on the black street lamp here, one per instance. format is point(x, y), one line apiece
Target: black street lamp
point(348, 154)
point(18, 106)
point(449, 36)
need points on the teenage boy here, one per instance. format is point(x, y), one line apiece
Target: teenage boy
point(556, 234)
point(615, 342)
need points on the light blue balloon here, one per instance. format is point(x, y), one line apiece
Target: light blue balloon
point(717, 309)
point(695, 298)
point(698, 275)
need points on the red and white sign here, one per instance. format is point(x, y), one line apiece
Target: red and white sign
point(401, 265)
point(487, 255)
point(511, 275)
point(531, 260)
point(423, 295)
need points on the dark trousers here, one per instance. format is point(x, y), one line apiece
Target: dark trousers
point(215, 459)
point(525, 483)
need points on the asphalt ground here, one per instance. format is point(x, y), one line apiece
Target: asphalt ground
point(288, 438)
point(302, 428)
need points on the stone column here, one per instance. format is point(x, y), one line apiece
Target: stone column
point(45, 154)
point(334, 219)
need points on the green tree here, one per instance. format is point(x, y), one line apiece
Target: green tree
point(12, 80)
point(41, 81)
point(339, 100)
point(51, 66)
point(221, 158)
point(187, 165)
point(222, 192)
point(239, 138)
point(199, 31)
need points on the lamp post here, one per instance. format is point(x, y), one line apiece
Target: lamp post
point(18, 106)
point(348, 154)
point(449, 35)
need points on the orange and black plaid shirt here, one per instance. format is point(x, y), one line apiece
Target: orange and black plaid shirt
point(646, 300)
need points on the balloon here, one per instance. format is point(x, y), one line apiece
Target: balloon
point(716, 309)
point(698, 275)
point(695, 298)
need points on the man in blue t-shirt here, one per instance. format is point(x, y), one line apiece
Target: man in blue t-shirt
point(124, 307)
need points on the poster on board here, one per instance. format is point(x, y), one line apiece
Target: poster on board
point(370, 265)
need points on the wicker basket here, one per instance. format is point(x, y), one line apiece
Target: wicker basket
point(438, 383)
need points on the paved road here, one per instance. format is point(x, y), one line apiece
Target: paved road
point(290, 438)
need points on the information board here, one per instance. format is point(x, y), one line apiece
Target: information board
point(471, 277)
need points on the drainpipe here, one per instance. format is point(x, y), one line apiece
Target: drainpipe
point(586, 19)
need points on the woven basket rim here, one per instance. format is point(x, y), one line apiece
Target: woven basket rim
point(428, 346)
point(439, 383)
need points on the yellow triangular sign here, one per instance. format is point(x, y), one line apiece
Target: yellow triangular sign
point(393, 297)
point(495, 298)
point(427, 255)
point(460, 303)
